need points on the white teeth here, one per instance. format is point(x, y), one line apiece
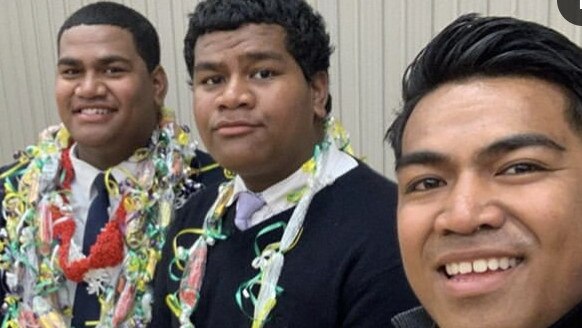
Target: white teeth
point(480, 265)
point(452, 269)
point(504, 263)
point(95, 111)
point(465, 267)
point(493, 264)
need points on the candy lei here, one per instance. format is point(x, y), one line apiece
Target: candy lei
point(271, 259)
point(37, 251)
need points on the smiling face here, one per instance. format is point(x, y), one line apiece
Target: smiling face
point(255, 111)
point(490, 204)
point(106, 97)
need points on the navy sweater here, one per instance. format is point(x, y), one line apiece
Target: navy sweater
point(345, 271)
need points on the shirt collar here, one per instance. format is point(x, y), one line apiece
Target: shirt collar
point(279, 190)
point(85, 173)
point(278, 196)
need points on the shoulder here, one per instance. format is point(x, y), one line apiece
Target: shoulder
point(5, 170)
point(365, 187)
point(204, 197)
point(9, 175)
point(206, 170)
point(364, 175)
point(10, 172)
point(414, 318)
point(196, 206)
point(361, 206)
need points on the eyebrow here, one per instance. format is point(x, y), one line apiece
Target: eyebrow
point(519, 141)
point(250, 56)
point(69, 61)
point(420, 158)
point(498, 147)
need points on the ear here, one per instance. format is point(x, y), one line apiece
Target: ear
point(319, 92)
point(160, 83)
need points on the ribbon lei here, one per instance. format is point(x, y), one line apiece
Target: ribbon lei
point(271, 260)
point(190, 285)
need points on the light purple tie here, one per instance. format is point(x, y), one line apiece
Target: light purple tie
point(247, 204)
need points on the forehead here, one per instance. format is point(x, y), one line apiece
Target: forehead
point(248, 38)
point(463, 116)
point(97, 40)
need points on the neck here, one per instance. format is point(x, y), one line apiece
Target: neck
point(103, 158)
point(257, 181)
point(573, 318)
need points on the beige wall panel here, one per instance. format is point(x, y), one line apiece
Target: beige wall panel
point(6, 111)
point(372, 82)
point(374, 40)
point(478, 6)
point(330, 10)
point(443, 12)
point(503, 7)
point(535, 10)
point(346, 103)
point(395, 61)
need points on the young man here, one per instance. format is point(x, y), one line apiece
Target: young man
point(66, 259)
point(320, 249)
point(489, 164)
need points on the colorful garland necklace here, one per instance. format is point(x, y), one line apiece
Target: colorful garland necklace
point(270, 260)
point(37, 254)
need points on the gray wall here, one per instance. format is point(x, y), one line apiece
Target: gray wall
point(374, 40)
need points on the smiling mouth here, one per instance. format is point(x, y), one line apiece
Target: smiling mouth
point(454, 269)
point(94, 111)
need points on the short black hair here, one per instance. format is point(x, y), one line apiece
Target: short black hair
point(143, 32)
point(474, 46)
point(306, 38)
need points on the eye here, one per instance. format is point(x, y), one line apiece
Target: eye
point(211, 80)
point(114, 70)
point(69, 72)
point(263, 74)
point(425, 184)
point(522, 168)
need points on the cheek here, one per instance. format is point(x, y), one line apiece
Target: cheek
point(63, 91)
point(414, 227)
point(202, 123)
point(201, 103)
point(552, 215)
point(296, 120)
point(131, 94)
point(558, 228)
point(63, 96)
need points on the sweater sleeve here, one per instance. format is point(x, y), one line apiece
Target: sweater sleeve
point(375, 298)
point(161, 314)
point(190, 215)
point(375, 286)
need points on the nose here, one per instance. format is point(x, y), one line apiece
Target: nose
point(236, 94)
point(470, 206)
point(90, 86)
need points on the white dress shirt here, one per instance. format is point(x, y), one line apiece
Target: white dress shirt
point(275, 197)
point(82, 194)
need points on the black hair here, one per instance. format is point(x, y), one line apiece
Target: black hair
point(474, 46)
point(306, 38)
point(143, 32)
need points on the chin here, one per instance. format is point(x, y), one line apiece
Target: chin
point(239, 163)
point(505, 318)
